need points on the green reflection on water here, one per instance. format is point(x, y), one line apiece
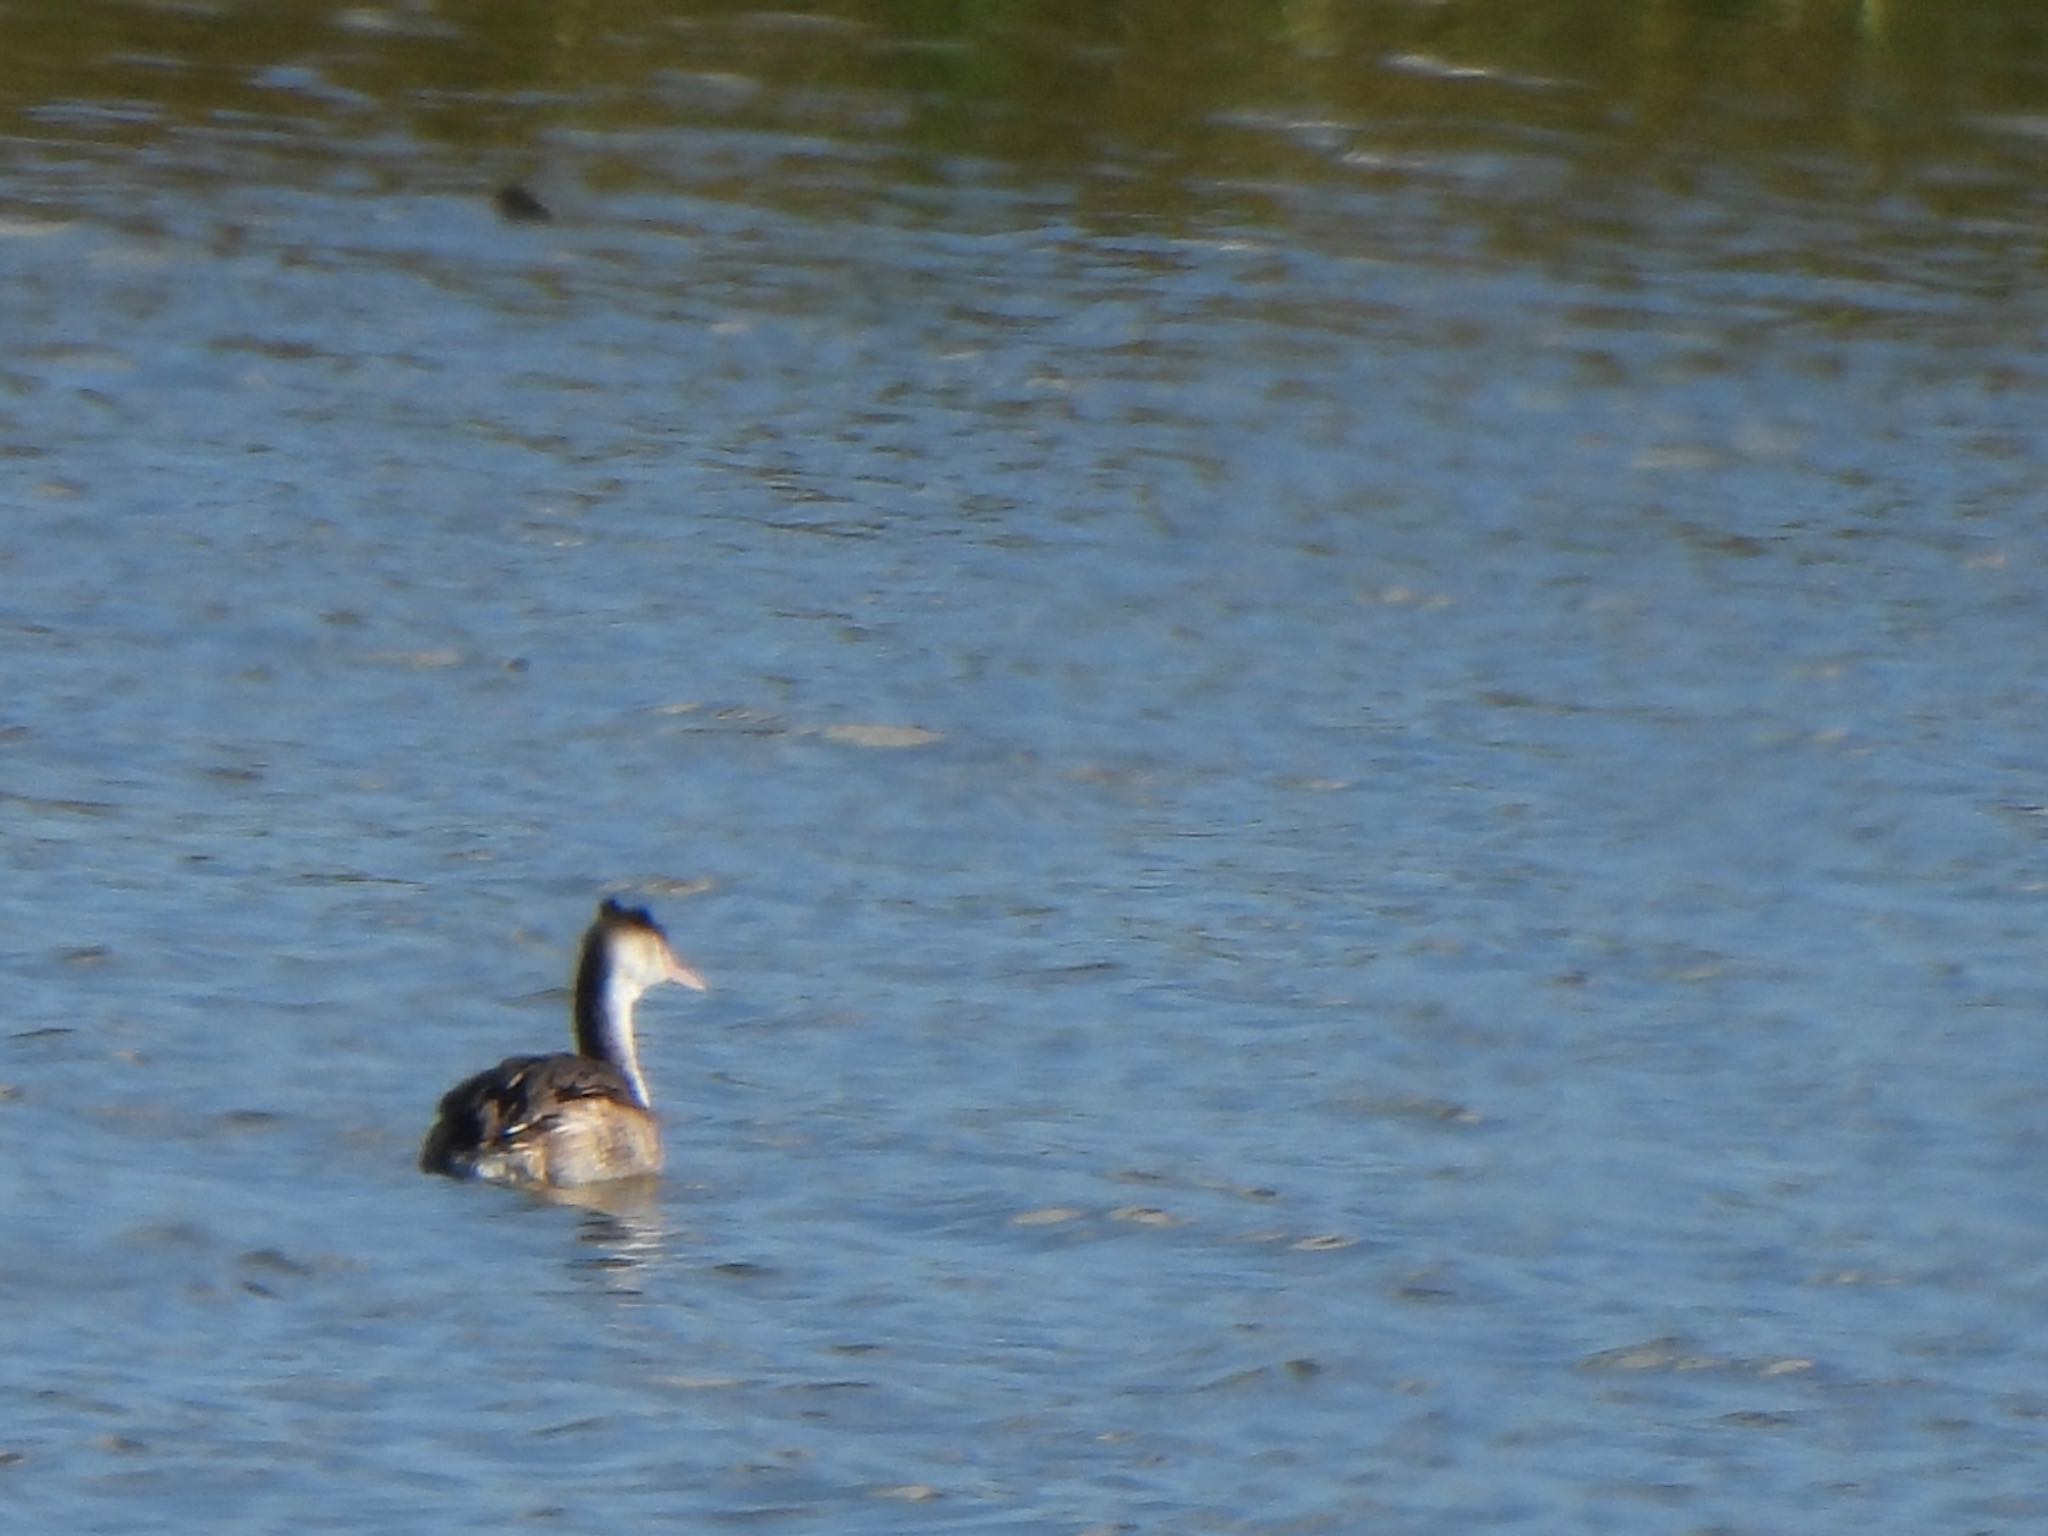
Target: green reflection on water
point(1158, 106)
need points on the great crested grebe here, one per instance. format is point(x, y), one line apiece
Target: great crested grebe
point(567, 1118)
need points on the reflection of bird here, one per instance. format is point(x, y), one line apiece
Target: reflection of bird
point(569, 1119)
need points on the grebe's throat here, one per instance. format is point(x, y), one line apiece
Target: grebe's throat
point(605, 996)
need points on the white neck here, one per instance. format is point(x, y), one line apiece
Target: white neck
point(604, 1027)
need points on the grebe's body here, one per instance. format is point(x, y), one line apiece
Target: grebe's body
point(569, 1119)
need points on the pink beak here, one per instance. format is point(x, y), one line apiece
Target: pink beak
point(679, 972)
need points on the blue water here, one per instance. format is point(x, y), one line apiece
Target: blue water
point(1351, 883)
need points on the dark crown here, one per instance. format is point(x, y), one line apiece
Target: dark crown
point(613, 913)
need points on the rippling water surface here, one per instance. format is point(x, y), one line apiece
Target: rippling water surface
point(1350, 718)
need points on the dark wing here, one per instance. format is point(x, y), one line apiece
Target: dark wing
point(520, 1095)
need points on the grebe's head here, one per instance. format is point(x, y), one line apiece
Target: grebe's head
point(635, 949)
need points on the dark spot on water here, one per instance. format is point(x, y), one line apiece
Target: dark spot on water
point(1086, 970)
point(272, 1262)
point(1423, 1293)
point(281, 350)
point(517, 205)
point(353, 877)
point(572, 1427)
